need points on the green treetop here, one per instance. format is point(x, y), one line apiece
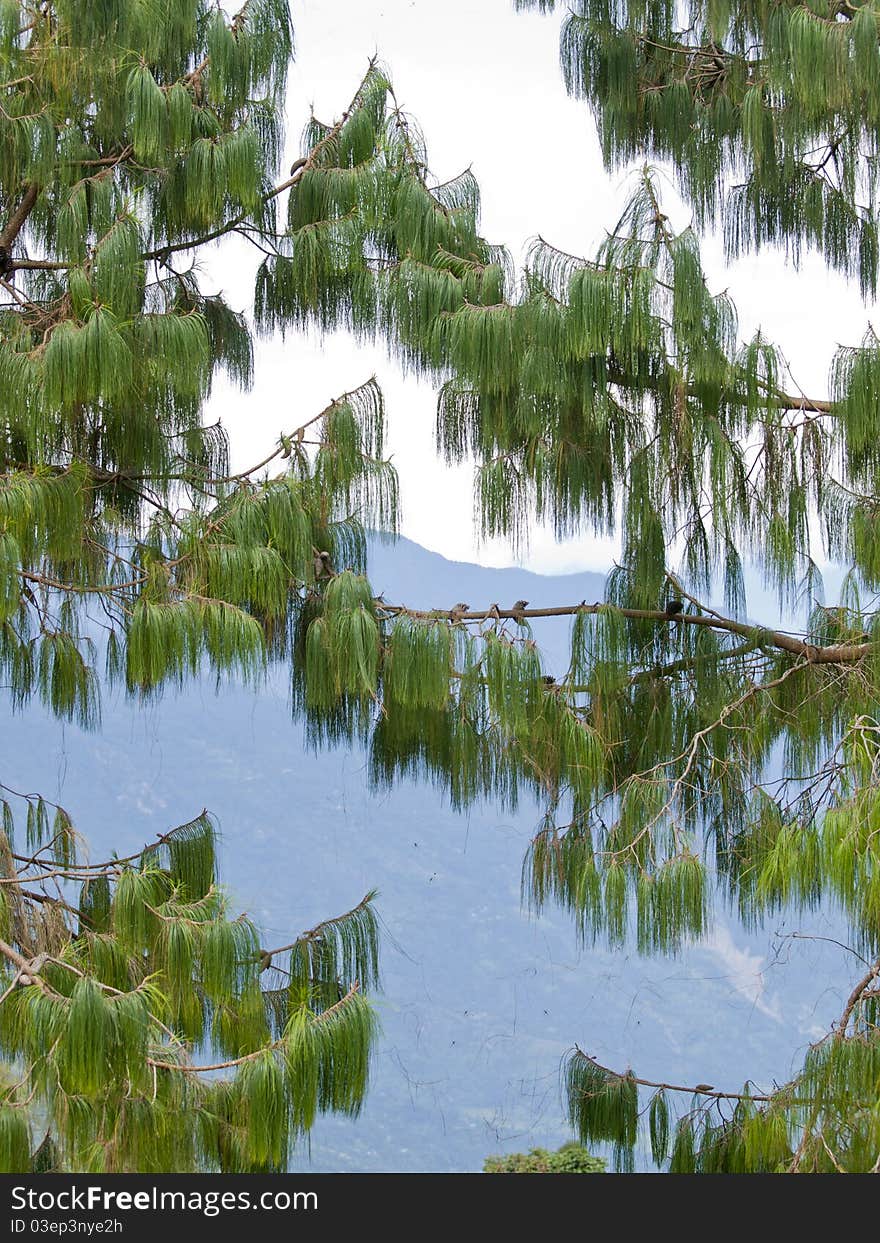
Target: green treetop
point(770, 113)
point(610, 393)
point(769, 116)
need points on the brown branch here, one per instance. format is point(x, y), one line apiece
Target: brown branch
point(8, 990)
point(701, 1089)
point(48, 900)
point(26, 969)
point(685, 665)
point(85, 871)
point(44, 580)
point(283, 450)
point(162, 252)
point(314, 933)
point(19, 216)
point(855, 996)
point(250, 1057)
point(47, 265)
point(296, 171)
point(835, 653)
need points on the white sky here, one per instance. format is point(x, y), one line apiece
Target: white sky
point(485, 85)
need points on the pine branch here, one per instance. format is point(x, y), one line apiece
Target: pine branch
point(313, 934)
point(28, 969)
point(111, 866)
point(283, 449)
point(701, 1089)
point(855, 997)
point(42, 265)
point(185, 1068)
point(17, 220)
point(298, 169)
point(833, 653)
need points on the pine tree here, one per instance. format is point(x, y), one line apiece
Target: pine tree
point(610, 393)
point(143, 1024)
point(768, 115)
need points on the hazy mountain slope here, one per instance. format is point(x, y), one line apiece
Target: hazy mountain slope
point(480, 1001)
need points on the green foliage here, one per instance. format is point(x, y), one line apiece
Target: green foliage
point(109, 1007)
point(608, 393)
point(612, 1111)
point(779, 102)
point(769, 118)
point(569, 1159)
point(823, 1121)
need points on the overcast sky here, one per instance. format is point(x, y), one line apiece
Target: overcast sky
point(485, 85)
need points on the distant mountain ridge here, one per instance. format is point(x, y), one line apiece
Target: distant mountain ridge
point(431, 580)
point(406, 573)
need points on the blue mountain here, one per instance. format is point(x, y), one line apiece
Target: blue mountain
point(480, 1000)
